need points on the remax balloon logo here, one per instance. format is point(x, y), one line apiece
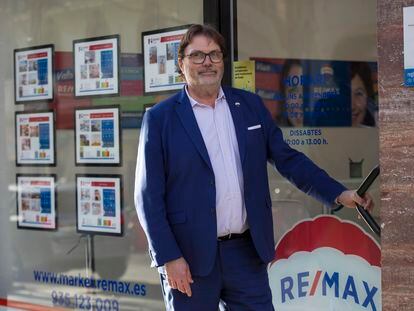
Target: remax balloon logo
point(326, 264)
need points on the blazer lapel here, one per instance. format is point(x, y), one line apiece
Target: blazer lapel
point(236, 109)
point(186, 115)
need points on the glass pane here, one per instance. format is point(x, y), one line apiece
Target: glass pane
point(316, 70)
point(48, 268)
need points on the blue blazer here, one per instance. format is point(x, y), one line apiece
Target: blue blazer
point(175, 195)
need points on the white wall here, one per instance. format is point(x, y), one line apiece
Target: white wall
point(309, 29)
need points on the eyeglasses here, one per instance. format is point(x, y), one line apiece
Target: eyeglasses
point(199, 57)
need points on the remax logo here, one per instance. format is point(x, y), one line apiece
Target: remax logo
point(326, 264)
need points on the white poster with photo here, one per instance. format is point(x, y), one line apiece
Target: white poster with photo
point(97, 134)
point(160, 49)
point(33, 73)
point(96, 66)
point(36, 202)
point(98, 207)
point(35, 138)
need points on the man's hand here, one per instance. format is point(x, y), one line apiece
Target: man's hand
point(179, 276)
point(348, 199)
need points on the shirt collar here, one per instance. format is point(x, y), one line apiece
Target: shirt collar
point(193, 102)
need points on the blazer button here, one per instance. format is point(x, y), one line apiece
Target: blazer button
point(213, 211)
point(212, 182)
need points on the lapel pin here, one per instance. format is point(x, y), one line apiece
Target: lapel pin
point(237, 104)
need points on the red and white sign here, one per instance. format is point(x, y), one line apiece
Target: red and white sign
point(326, 263)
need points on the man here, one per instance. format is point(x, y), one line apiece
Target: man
point(202, 192)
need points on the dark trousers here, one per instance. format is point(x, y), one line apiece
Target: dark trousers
point(238, 281)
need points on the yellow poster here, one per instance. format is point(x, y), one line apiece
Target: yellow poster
point(244, 75)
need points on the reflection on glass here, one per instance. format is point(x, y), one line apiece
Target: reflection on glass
point(292, 92)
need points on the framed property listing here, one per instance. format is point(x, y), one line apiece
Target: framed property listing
point(35, 138)
point(98, 136)
point(99, 204)
point(160, 50)
point(96, 66)
point(33, 73)
point(36, 202)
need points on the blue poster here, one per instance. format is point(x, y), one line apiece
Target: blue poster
point(303, 92)
point(44, 139)
point(409, 77)
point(329, 94)
point(45, 200)
point(107, 65)
point(109, 204)
point(42, 71)
point(108, 133)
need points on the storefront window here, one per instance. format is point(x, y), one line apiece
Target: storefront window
point(316, 70)
point(48, 267)
point(315, 67)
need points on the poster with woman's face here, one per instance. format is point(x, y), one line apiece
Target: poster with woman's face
point(318, 93)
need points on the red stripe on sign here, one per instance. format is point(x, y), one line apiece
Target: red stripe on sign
point(40, 183)
point(102, 115)
point(37, 55)
point(103, 184)
point(172, 38)
point(38, 119)
point(315, 283)
point(27, 306)
point(100, 46)
point(328, 231)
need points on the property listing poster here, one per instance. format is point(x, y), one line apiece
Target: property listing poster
point(161, 60)
point(99, 204)
point(97, 136)
point(96, 66)
point(36, 202)
point(33, 73)
point(35, 138)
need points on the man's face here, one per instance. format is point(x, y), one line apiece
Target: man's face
point(207, 73)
